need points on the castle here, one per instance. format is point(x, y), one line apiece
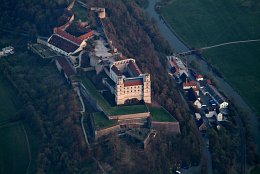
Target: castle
point(129, 82)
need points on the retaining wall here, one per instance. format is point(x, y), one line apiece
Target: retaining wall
point(106, 131)
point(129, 116)
point(170, 127)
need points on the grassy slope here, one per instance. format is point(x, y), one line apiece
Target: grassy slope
point(207, 22)
point(160, 114)
point(7, 101)
point(13, 149)
point(102, 122)
point(13, 146)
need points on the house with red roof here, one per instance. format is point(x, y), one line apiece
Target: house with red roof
point(192, 84)
point(199, 77)
point(67, 44)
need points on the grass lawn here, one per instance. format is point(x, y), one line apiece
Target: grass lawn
point(116, 110)
point(102, 122)
point(13, 149)
point(160, 114)
point(7, 100)
point(207, 22)
point(13, 146)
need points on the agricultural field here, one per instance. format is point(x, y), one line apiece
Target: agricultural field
point(202, 23)
point(8, 101)
point(14, 156)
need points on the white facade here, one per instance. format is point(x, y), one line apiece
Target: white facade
point(197, 104)
point(58, 50)
point(134, 87)
point(223, 105)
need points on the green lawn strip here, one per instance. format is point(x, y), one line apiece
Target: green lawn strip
point(98, 97)
point(102, 122)
point(161, 115)
point(133, 109)
point(203, 23)
point(13, 149)
point(8, 100)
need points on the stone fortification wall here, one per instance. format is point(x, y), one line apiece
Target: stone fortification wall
point(89, 98)
point(129, 116)
point(170, 127)
point(107, 131)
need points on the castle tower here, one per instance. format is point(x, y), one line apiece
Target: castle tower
point(147, 88)
point(120, 93)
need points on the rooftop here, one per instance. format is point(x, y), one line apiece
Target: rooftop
point(133, 82)
point(87, 35)
point(191, 83)
point(62, 44)
point(214, 93)
point(68, 36)
point(191, 95)
point(134, 68)
point(66, 66)
point(116, 70)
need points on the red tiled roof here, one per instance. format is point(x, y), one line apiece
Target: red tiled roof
point(134, 68)
point(116, 70)
point(133, 83)
point(68, 36)
point(65, 65)
point(199, 76)
point(87, 35)
point(191, 83)
point(62, 44)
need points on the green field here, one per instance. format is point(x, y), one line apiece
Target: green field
point(13, 146)
point(13, 149)
point(102, 122)
point(207, 22)
point(7, 101)
point(116, 110)
point(256, 170)
point(160, 114)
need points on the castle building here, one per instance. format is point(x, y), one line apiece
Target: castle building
point(129, 82)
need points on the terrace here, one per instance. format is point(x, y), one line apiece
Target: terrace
point(102, 122)
point(161, 115)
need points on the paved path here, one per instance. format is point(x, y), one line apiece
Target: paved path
point(222, 44)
